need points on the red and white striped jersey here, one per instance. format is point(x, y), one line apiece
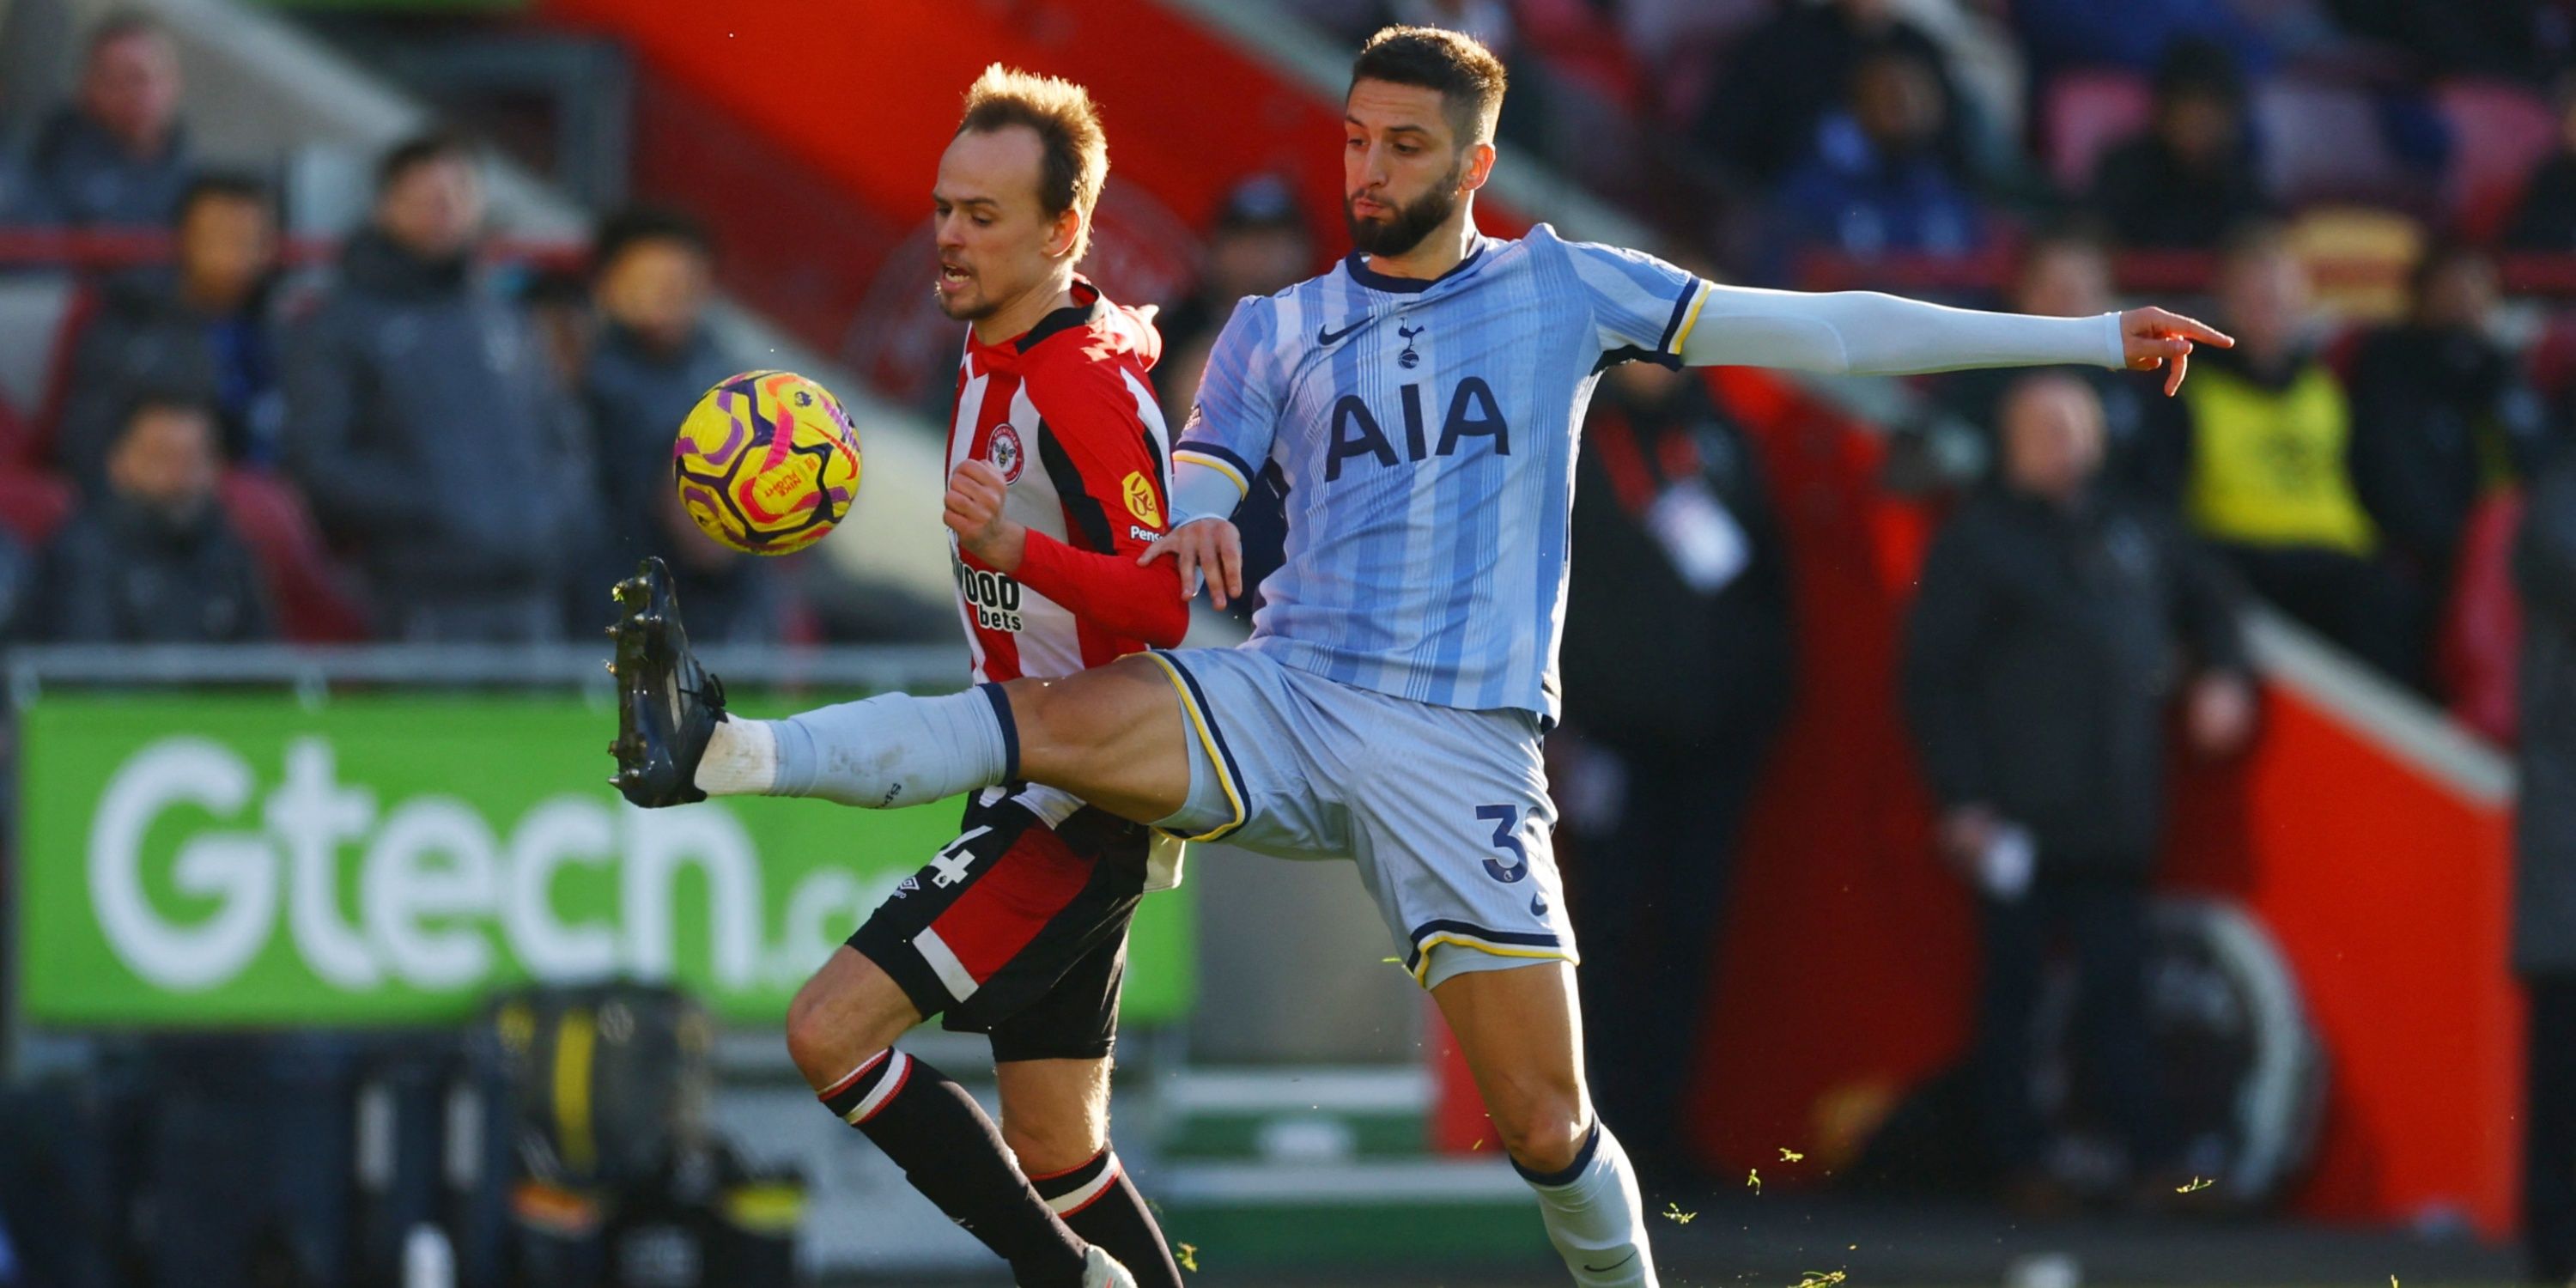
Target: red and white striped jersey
point(1065, 414)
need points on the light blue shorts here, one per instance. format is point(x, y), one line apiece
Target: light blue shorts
point(1445, 811)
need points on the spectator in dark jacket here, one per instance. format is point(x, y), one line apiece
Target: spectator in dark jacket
point(17, 584)
point(2065, 272)
point(427, 427)
point(2544, 931)
point(1677, 672)
point(2441, 415)
point(1877, 181)
point(1260, 244)
point(653, 359)
point(118, 157)
point(2523, 40)
point(2546, 219)
point(153, 560)
point(203, 326)
point(2190, 178)
point(1787, 74)
point(2054, 625)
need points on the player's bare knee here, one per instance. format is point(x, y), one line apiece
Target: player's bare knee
point(1046, 1146)
point(820, 1047)
point(836, 1023)
point(1542, 1125)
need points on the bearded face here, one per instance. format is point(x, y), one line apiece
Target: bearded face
point(1386, 230)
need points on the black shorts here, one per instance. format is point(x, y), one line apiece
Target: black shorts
point(1018, 929)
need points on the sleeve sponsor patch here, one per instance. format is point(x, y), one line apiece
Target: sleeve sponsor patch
point(1141, 500)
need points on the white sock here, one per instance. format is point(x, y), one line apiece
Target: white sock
point(741, 758)
point(896, 750)
point(1595, 1216)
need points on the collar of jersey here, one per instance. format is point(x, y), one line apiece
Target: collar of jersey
point(1086, 301)
point(1356, 265)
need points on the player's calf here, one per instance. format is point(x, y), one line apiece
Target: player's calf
point(1055, 1116)
point(946, 1145)
point(1519, 1028)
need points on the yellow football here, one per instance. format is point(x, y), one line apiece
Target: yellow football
point(766, 462)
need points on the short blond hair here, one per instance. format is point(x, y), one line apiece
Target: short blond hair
point(1074, 150)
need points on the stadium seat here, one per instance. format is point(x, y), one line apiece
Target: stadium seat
point(34, 502)
point(2552, 357)
point(1584, 49)
point(39, 317)
point(2360, 258)
point(314, 599)
point(2087, 113)
point(2479, 645)
point(2322, 142)
point(2498, 134)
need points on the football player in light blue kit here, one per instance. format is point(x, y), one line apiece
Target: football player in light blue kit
point(1423, 400)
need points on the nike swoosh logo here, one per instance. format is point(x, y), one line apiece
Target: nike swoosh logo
point(1326, 335)
point(1594, 1270)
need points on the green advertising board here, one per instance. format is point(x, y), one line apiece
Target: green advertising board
point(206, 860)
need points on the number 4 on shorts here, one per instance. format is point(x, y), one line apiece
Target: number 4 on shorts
point(952, 864)
point(1507, 820)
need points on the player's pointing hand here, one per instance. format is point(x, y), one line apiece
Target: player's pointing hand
point(2152, 337)
point(974, 512)
point(1207, 547)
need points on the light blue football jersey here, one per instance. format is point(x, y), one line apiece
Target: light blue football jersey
point(1427, 433)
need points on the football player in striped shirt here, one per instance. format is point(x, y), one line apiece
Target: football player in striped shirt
point(1422, 400)
point(1018, 929)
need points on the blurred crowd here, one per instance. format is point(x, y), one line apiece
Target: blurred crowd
point(408, 442)
point(2335, 182)
point(413, 442)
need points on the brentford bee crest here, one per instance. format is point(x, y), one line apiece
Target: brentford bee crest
point(1005, 453)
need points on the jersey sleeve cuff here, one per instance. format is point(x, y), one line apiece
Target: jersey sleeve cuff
point(1206, 484)
point(1216, 457)
point(1685, 316)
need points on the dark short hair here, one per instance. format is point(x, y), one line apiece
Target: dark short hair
point(167, 398)
point(1074, 150)
point(555, 288)
point(420, 150)
point(2437, 258)
point(2251, 237)
point(2197, 67)
point(122, 24)
point(2078, 232)
point(221, 185)
point(635, 224)
point(1467, 76)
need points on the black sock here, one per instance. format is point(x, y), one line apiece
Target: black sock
point(1102, 1206)
point(954, 1155)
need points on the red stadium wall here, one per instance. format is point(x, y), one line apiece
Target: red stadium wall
point(810, 147)
point(1848, 971)
point(870, 96)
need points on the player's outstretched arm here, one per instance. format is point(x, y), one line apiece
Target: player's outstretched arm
point(1869, 333)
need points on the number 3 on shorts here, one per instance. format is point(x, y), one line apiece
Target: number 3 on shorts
point(1507, 820)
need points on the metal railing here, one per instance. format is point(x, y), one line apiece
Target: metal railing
point(313, 672)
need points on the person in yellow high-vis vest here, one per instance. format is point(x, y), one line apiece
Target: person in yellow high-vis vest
point(2266, 475)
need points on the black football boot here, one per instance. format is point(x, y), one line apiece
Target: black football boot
point(667, 704)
